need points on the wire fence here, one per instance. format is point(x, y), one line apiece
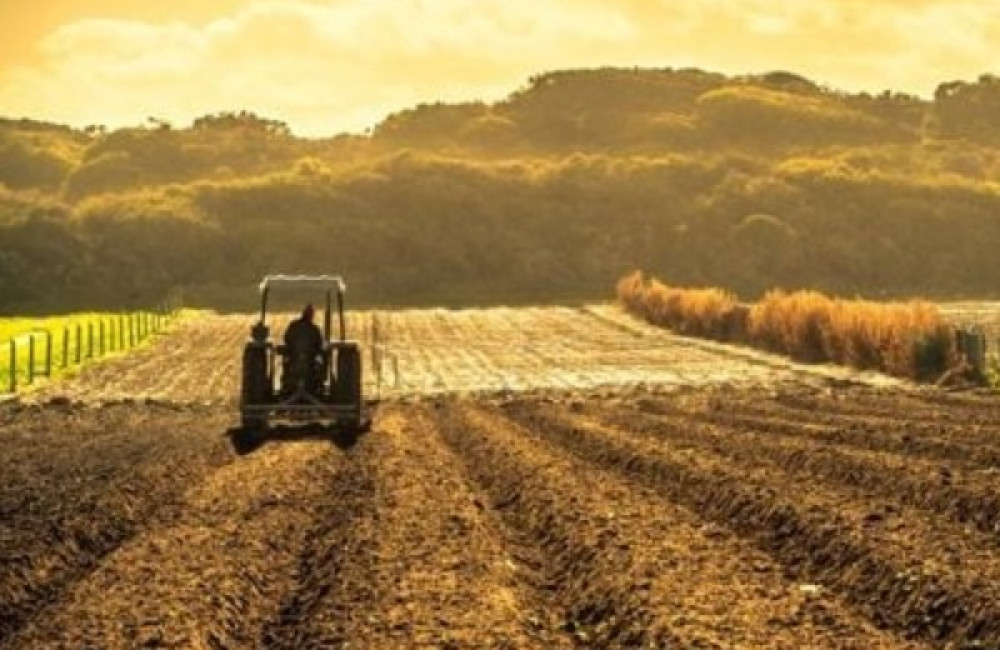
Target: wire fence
point(382, 357)
point(47, 352)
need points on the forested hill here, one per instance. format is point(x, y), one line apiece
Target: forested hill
point(551, 194)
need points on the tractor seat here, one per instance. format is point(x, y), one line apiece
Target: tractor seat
point(300, 367)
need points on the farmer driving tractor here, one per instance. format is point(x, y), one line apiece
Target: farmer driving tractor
point(305, 360)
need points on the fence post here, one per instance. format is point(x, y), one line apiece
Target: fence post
point(48, 354)
point(131, 331)
point(972, 344)
point(79, 342)
point(65, 357)
point(13, 366)
point(121, 332)
point(31, 359)
point(90, 340)
point(101, 333)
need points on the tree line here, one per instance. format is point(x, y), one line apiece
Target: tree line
point(744, 183)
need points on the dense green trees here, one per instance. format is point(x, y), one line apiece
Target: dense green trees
point(551, 194)
point(969, 111)
point(36, 158)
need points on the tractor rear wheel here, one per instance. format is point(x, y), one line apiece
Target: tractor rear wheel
point(254, 389)
point(349, 381)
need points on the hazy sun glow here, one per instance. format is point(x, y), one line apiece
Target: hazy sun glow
point(341, 65)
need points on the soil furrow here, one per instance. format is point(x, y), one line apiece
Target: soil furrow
point(210, 576)
point(844, 490)
point(966, 494)
point(898, 436)
point(324, 599)
point(926, 410)
point(630, 570)
point(406, 558)
point(815, 542)
point(65, 511)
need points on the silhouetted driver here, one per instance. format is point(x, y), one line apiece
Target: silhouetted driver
point(304, 345)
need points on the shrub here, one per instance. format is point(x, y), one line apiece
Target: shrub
point(908, 339)
point(709, 313)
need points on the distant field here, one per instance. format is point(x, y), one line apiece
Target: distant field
point(437, 351)
point(985, 315)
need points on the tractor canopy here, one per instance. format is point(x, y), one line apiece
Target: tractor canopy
point(326, 283)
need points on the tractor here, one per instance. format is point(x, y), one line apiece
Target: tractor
point(283, 383)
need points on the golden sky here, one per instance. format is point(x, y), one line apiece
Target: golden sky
point(327, 66)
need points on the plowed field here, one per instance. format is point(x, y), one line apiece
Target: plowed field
point(536, 478)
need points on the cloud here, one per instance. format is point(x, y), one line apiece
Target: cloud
point(343, 64)
point(905, 45)
point(322, 67)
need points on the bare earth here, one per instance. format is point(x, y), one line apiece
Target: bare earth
point(536, 478)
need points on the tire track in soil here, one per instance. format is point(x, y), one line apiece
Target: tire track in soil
point(211, 575)
point(818, 537)
point(966, 495)
point(405, 557)
point(627, 569)
point(83, 483)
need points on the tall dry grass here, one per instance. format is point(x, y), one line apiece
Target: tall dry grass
point(710, 313)
point(908, 339)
